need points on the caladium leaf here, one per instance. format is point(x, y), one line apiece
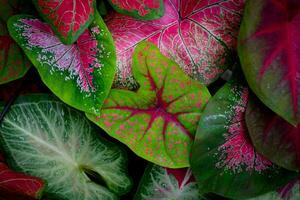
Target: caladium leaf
point(223, 159)
point(273, 136)
point(163, 183)
point(13, 63)
point(198, 35)
point(68, 18)
point(269, 53)
point(80, 74)
point(145, 9)
point(44, 138)
point(17, 186)
point(291, 191)
point(159, 120)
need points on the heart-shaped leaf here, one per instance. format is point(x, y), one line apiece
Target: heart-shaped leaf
point(198, 35)
point(13, 63)
point(80, 74)
point(269, 52)
point(163, 183)
point(291, 191)
point(273, 136)
point(159, 120)
point(145, 9)
point(44, 138)
point(68, 18)
point(17, 186)
point(223, 159)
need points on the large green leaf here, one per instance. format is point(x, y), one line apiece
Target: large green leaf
point(223, 159)
point(80, 74)
point(163, 183)
point(159, 120)
point(44, 138)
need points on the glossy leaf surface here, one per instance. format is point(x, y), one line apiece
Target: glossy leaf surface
point(80, 74)
point(269, 49)
point(145, 9)
point(68, 18)
point(223, 159)
point(273, 136)
point(163, 183)
point(44, 138)
point(158, 121)
point(198, 35)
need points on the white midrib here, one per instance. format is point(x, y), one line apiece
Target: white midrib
point(49, 146)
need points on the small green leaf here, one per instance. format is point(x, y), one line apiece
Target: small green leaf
point(80, 74)
point(158, 121)
point(44, 138)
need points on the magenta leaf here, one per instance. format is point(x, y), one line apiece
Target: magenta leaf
point(80, 74)
point(198, 35)
point(17, 186)
point(140, 9)
point(224, 160)
point(68, 18)
point(158, 121)
point(269, 52)
point(273, 136)
point(164, 183)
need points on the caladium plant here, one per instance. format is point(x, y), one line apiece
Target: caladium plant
point(223, 159)
point(159, 120)
point(198, 35)
point(273, 136)
point(17, 186)
point(269, 54)
point(140, 9)
point(68, 18)
point(13, 63)
point(80, 74)
point(62, 147)
point(163, 183)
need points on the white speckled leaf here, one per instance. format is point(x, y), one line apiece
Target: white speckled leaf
point(44, 138)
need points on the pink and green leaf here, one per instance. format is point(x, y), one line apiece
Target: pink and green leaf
point(159, 120)
point(145, 9)
point(273, 136)
point(198, 35)
point(269, 51)
point(13, 63)
point(223, 160)
point(68, 18)
point(163, 183)
point(18, 186)
point(80, 74)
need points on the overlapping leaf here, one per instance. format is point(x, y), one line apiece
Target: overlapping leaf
point(163, 183)
point(159, 120)
point(80, 74)
point(13, 64)
point(44, 138)
point(198, 35)
point(145, 9)
point(224, 160)
point(17, 186)
point(273, 136)
point(68, 18)
point(269, 52)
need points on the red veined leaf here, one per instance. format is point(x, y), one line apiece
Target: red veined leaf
point(158, 121)
point(17, 186)
point(68, 18)
point(145, 9)
point(198, 35)
point(223, 158)
point(269, 49)
point(273, 136)
point(164, 183)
